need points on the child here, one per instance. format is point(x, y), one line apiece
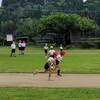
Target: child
point(48, 67)
point(58, 59)
point(51, 51)
point(13, 49)
point(23, 47)
point(46, 49)
point(20, 47)
point(61, 48)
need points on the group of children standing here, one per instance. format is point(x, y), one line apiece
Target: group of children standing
point(54, 59)
point(21, 47)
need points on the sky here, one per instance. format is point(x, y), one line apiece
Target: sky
point(1, 2)
point(84, 0)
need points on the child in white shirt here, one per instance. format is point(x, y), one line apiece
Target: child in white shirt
point(46, 50)
point(13, 49)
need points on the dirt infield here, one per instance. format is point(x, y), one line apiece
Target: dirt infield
point(40, 80)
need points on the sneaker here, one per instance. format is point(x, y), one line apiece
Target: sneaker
point(60, 75)
point(35, 72)
point(49, 79)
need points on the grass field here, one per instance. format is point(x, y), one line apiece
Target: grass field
point(49, 94)
point(76, 61)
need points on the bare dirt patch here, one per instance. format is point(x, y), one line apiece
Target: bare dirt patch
point(40, 80)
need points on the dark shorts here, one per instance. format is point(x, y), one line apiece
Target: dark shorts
point(13, 50)
point(46, 66)
point(20, 48)
point(51, 55)
point(23, 48)
point(57, 62)
point(46, 51)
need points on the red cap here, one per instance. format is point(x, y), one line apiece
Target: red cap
point(55, 53)
point(63, 52)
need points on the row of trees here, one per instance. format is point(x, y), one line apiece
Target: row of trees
point(33, 17)
point(61, 23)
point(59, 4)
point(65, 25)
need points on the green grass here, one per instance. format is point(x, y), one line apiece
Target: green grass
point(35, 49)
point(74, 63)
point(49, 93)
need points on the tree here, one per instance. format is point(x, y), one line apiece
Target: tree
point(94, 6)
point(26, 27)
point(7, 27)
point(64, 25)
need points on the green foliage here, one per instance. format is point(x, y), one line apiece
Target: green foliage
point(14, 13)
point(1, 38)
point(7, 27)
point(90, 44)
point(61, 22)
point(26, 27)
point(64, 25)
point(87, 45)
point(87, 24)
point(60, 4)
point(94, 5)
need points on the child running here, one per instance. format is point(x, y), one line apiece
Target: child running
point(58, 59)
point(48, 67)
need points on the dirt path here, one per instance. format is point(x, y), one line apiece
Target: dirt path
point(40, 80)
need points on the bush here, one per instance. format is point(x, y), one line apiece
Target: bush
point(87, 45)
point(97, 46)
point(30, 43)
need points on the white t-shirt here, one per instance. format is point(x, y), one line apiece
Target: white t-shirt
point(13, 46)
point(23, 44)
point(51, 60)
point(61, 47)
point(19, 44)
point(45, 47)
point(59, 57)
point(51, 52)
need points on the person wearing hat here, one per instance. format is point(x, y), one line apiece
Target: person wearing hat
point(50, 53)
point(59, 58)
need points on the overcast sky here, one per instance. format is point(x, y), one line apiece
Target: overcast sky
point(84, 0)
point(1, 1)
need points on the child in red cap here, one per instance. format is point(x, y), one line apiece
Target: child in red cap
point(58, 59)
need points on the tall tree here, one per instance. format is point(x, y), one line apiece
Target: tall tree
point(94, 7)
point(64, 25)
point(26, 27)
